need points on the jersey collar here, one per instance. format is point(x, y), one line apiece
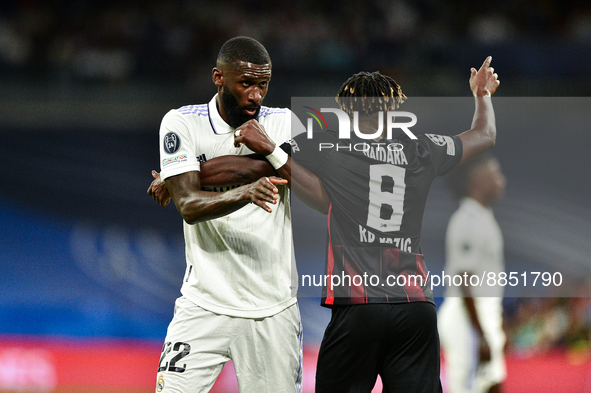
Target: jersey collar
point(217, 123)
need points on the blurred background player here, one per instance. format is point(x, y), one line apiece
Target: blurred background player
point(470, 318)
point(238, 300)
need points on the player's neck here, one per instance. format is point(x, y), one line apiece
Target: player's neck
point(480, 198)
point(221, 109)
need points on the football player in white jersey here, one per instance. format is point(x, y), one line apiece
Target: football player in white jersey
point(470, 318)
point(239, 290)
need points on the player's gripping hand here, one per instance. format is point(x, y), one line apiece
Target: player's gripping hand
point(485, 81)
point(158, 190)
point(254, 136)
point(263, 191)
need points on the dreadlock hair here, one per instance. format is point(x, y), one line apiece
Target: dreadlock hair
point(369, 92)
point(242, 49)
point(458, 180)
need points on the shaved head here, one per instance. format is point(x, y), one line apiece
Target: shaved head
point(242, 49)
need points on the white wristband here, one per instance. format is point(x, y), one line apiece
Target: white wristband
point(278, 158)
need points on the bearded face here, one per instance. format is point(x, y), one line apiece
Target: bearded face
point(236, 113)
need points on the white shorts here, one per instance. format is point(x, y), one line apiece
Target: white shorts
point(267, 352)
point(459, 343)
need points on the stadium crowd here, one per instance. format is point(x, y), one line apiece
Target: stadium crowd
point(91, 40)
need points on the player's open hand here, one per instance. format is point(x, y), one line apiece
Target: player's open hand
point(254, 136)
point(264, 191)
point(158, 190)
point(485, 81)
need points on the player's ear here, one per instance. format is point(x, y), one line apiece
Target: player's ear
point(217, 76)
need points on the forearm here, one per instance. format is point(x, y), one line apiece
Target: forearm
point(195, 205)
point(201, 206)
point(305, 185)
point(483, 132)
point(484, 119)
point(233, 169)
point(484, 352)
point(471, 309)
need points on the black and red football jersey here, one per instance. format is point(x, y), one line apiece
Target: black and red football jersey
point(378, 192)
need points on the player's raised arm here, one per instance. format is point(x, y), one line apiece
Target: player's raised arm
point(306, 185)
point(482, 136)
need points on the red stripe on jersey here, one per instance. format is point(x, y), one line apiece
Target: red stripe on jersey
point(329, 263)
point(357, 292)
point(392, 258)
point(421, 271)
point(414, 291)
point(421, 268)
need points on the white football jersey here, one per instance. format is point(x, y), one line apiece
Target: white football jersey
point(240, 264)
point(474, 243)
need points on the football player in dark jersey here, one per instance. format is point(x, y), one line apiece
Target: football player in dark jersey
point(374, 190)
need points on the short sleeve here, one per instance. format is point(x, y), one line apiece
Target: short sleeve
point(177, 147)
point(445, 152)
